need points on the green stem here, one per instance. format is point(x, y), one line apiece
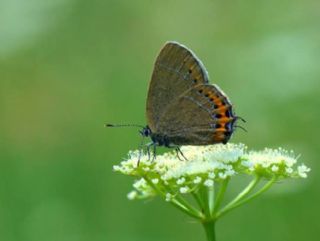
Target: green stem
point(263, 189)
point(209, 227)
point(203, 193)
point(197, 197)
point(220, 195)
point(245, 192)
point(244, 199)
point(211, 199)
point(181, 200)
point(178, 202)
point(191, 208)
point(184, 209)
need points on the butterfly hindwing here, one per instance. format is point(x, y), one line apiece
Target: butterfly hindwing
point(202, 115)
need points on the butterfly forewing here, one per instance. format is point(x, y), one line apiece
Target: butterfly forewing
point(176, 70)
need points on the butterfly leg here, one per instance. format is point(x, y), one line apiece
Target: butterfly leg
point(140, 150)
point(154, 151)
point(148, 146)
point(179, 152)
point(148, 149)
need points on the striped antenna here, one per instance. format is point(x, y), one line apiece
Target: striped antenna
point(122, 125)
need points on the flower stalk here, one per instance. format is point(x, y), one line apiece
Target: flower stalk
point(220, 195)
point(205, 177)
point(210, 229)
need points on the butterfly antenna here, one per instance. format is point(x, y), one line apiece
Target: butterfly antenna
point(241, 127)
point(240, 118)
point(123, 125)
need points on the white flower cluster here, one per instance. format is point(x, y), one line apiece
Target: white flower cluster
point(204, 166)
point(270, 162)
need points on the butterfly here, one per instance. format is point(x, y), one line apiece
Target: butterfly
point(182, 107)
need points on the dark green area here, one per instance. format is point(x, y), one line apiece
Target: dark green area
point(67, 68)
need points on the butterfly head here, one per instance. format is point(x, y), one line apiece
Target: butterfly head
point(146, 131)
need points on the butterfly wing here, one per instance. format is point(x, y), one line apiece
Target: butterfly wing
point(201, 115)
point(176, 70)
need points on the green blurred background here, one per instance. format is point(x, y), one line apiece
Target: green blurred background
point(69, 66)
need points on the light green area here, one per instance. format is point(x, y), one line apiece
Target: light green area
point(68, 67)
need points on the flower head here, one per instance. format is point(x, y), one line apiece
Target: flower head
point(270, 162)
point(303, 170)
point(204, 166)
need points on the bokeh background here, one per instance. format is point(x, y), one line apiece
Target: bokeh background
point(69, 66)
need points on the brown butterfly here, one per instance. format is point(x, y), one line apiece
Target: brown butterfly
point(183, 108)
